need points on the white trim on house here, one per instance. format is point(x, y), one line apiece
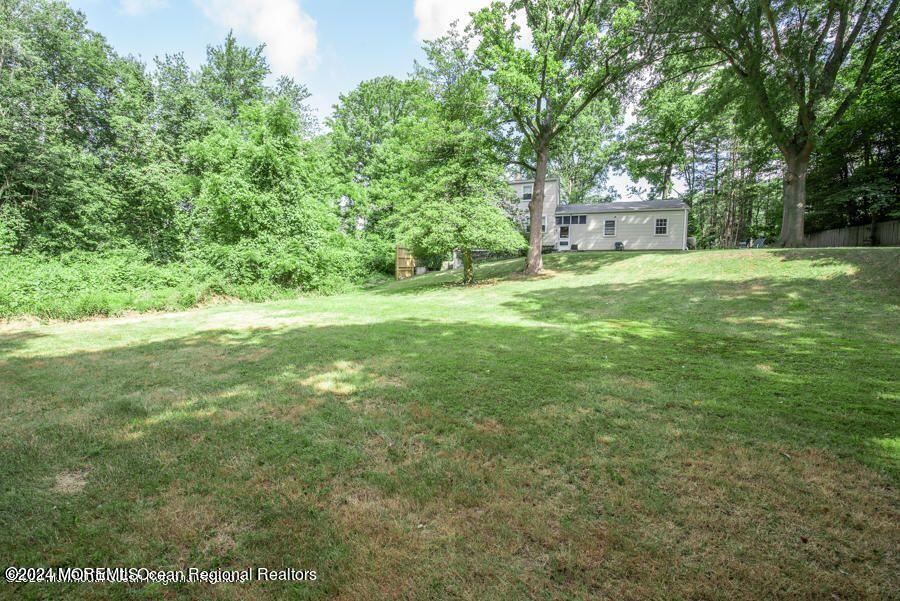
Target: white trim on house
point(613, 234)
point(665, 226)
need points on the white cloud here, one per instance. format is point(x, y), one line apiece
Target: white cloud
point(139, 7)
point(288, 32)
point(435, 17)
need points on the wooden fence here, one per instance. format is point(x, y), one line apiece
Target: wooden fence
point(405, 265)
point(887, 233)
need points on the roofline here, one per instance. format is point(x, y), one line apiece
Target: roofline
point(684, 207)
point(553, 178)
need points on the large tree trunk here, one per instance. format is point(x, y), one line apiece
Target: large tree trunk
point(667, 181)
point(468, 267)
point(535, 262)
point(796, 164)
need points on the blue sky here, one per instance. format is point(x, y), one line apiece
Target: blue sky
point(330, 45)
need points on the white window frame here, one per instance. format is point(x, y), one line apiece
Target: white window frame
point(605, 221)
point(656, 221)
point(527, 189)
point(543, 224)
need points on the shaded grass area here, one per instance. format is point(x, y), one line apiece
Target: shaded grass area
point(705, 425)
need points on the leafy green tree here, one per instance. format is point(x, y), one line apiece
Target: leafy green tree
point(296, 94)
point(250, 175)
point(262, 210)
point(666, 118)
point(455, 202)
point(366, 116)
point(586, 151)
point(57, 79)
point(182, 110)
point(796, 63)
point(454, 183)
point(139, 167)
point(855, 174)
point(233, 75)
point(581, 50)
point(363, 120)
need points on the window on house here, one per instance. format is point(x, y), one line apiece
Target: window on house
point(543, 224)
point(662, 227)
point(609, 227)
point(559, 221)
point(527, 189)
point(582, 219)
point(567, 220)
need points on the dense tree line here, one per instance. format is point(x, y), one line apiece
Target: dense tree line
point(757, 114)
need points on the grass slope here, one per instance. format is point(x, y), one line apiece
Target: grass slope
point(632, 425)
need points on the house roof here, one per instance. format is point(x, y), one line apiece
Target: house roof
point(622, 207)
point(550, 178)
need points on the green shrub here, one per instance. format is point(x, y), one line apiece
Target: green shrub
point(84, 284)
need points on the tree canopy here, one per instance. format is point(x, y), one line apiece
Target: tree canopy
point(581, 51)
point(768, 118)
point(802, 65)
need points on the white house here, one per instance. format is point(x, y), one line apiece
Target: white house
point(643, 225)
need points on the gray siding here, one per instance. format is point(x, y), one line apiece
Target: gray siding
point(634, 228)
point(551, 200)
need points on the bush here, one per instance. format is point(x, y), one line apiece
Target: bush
point(82, 284)
point(377, 254)
point(329, 265)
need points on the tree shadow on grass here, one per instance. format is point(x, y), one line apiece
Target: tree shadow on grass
point(395, 457)
point(14, 340)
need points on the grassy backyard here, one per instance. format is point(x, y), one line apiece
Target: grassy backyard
point(721, 424)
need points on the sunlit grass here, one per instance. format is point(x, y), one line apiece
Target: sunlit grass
point(630, 425)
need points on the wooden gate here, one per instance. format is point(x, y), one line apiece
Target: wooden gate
point(406, 264)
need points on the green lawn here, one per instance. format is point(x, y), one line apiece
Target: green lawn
point(718, 424)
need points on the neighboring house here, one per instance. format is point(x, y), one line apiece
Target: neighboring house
point(643, 225)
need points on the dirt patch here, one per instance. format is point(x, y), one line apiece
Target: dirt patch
point(255, 354)
point(635, 382)
point(70, 483)
point(219, 544)
point(490, 426)
point(543, 275)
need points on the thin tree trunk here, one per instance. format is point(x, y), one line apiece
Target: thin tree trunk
point(796, 164)
point(468, 267)
point(535, 262)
